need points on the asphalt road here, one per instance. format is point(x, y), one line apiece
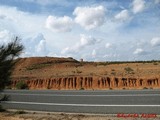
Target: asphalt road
point(101, 102)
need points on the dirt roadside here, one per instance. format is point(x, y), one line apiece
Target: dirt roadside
point(21, 115)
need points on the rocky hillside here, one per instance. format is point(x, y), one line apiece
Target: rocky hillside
point(68, 73)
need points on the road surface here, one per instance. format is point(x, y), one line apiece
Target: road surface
point(100, 102)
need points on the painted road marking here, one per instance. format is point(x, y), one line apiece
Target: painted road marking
point(116, 95)
point(83, 105)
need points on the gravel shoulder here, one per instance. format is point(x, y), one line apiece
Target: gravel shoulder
point(21, 115)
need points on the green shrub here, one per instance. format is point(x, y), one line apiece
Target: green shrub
point(8, 87)
point(4, 97)
point(113, 73)
point(145, 88)
point(81, 88)
point(155, 63)
point(21, 85)
point(129, 70)
point(1, 109)
point(78, 71)
point(20, 112)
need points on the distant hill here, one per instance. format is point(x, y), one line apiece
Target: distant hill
point(62, 69)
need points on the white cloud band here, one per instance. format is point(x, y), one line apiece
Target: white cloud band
point(90, 17)
point(59, 24)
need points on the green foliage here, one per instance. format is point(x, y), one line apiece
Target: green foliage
point(145, 88)
point(20, 112)
point(81, 88)
point(4, 98)
point(113, 73)
point(39, 66)
point(110, 88)
point(112, 69)
point(119, 62)
point(1, 109)
point(78, 71)
point(8, 87)
point(21, 85)
point(155, 63)
point(128, 70)
point(7, 54)
point(102, 63)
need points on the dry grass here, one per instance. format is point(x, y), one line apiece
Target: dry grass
point(63, 67)
point(62, 116)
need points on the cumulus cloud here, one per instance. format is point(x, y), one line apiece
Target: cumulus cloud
point(157, 1)
point(111, 56)
point(90, 17)
point(2, 16)
point(138, 6)
point(139, 51)
point(19, 22)
point(83, 43)
point(59, 24)
point(123, 15)
point(35, 46)
point(5, 36)
point(155, 41)
point(49, 2)
point(41, 47)
point(108, 45)
point(94, 53)
point(27, 24)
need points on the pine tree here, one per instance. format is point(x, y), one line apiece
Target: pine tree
point(7, 55)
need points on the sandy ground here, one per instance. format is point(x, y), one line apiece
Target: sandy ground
point(31, 67)
point(64, 116)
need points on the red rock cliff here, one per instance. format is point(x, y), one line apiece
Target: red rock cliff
point(91, 83)
point(70, 74)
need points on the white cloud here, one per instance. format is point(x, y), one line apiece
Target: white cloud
point(108, 45)
point(94, 53)
point(87, 40)
point(139, 51)
point(27, 24)
point(155, 41)
point(41, 47)
point(2, 16)
point(19, 22)
point(59, 24)
point(90, 17)
point(123, 15)
point(111, 56)
point(157, 1)
point(138, 6)
point(82, 44)
point(35, 46)
point(49, 2)
point(5, 36)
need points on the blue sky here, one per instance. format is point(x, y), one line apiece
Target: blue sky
point(95, 30)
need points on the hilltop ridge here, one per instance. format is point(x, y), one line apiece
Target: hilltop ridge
point(83, 72)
